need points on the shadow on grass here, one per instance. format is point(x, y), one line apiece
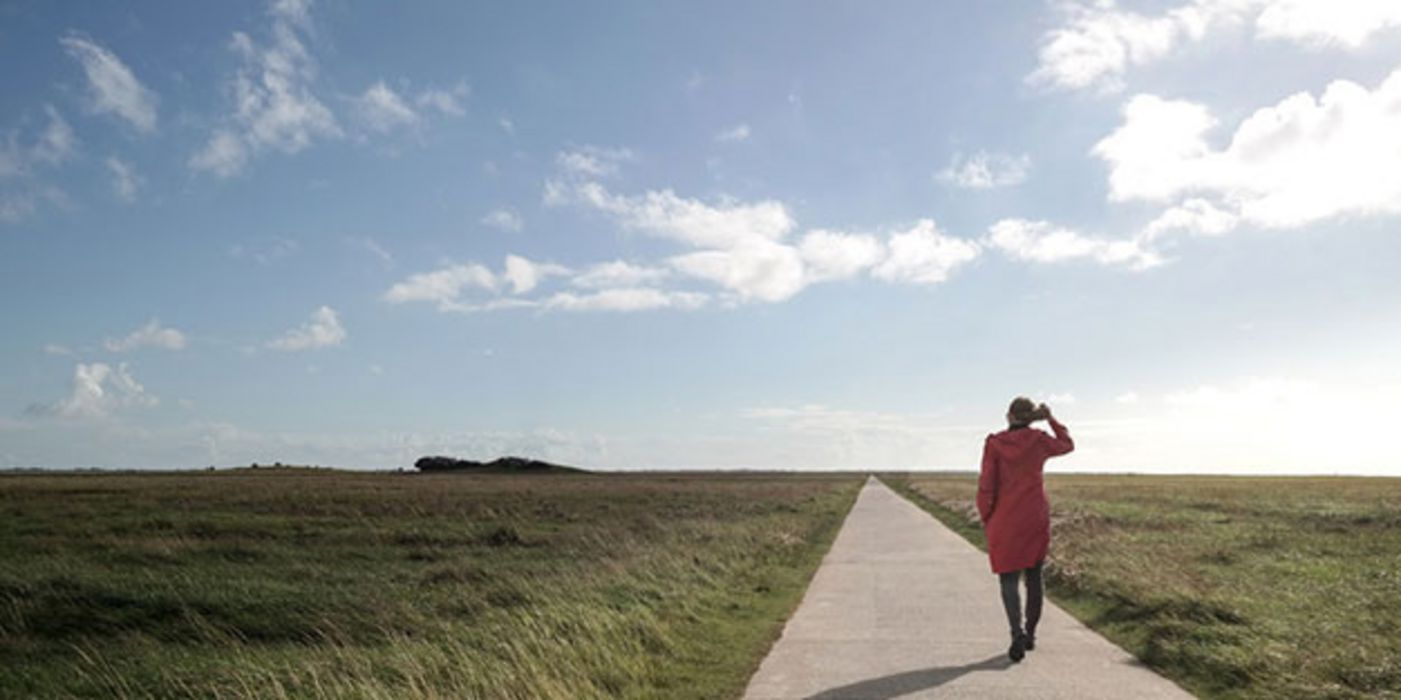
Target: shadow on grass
point(910, 681)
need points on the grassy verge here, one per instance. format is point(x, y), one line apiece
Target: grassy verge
point(296, 583)
point(1235, 587)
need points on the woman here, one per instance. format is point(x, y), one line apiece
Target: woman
point(1015, 513)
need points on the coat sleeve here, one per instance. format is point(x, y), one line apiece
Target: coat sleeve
point(1061, 443)
point(987, 482)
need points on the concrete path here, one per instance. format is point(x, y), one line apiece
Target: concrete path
point(902, 607)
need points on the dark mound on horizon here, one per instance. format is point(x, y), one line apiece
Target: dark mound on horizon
point(496, 466)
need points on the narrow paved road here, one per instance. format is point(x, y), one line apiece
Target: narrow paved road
point(902, 607)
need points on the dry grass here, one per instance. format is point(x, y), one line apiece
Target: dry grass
point(1237, 587)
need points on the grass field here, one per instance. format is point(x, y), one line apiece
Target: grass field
point(1235, 587)
point(315, 583)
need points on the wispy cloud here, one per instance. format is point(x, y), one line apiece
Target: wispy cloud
point(985, 170)
point(739, 132)
point(126, 182)
point(382, 109)
point(150, 335)
point(111, 84)
point(504, 220)
point(274, 106)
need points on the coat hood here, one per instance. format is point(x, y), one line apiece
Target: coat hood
point(1014, 444)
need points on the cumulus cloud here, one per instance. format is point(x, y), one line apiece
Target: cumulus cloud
point(382, 109)
point(98, 390)
point(504, 220)
point(1099, 42)
point(523, 275)
point(126, 182)
point(150, 335)
point(442, 287)
point(274, 107)
point(924, 255)
point(753, 269)
point(1044, 242)
point(985, 170)
point(834, 255)
point(324, 329)
point(739, 132)
point(1297, 162)
point(113, 87)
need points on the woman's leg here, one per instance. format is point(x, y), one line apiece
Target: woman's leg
point(1011, 600)
point(1034, 593)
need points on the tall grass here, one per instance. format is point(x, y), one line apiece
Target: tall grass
point(318, 584)
point(1237, 587)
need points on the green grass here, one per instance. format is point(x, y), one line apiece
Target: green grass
point(316, 583)
point(1236, 587)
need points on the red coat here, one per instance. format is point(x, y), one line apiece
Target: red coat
point(1012, 497)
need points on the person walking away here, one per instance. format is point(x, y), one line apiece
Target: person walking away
point(1015, 513)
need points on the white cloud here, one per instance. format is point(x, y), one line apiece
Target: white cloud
point(618, 273)
point(1349, 23)
point(443, 287)
point(274, 107)
point(986, 170)
point(739, 132)
point(1100, 42)
point(113, 86)
point(754, 269)
point(593, 161)
point(833, 255)
point(448, 102)
point(125, 180)
point(625, 299)
point(1060, 399)
point(149, 335)
point(383, 110)
point(1297, 162)
point(524, 275)
point(504, 220)
point(664, 214)
point(1044, 242)
point(507, 126)
point(1193, 216)
point(742, 247)
point(98, 391)
point(924, 255)
point(56, 349)
point(1127, 398)
point(323, 330)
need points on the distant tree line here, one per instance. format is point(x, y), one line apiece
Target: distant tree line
point(503, 464)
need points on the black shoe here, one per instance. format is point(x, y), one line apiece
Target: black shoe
point(1030, 641)
point(1018, 648)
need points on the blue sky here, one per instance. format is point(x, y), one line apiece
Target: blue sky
point(669, 235)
